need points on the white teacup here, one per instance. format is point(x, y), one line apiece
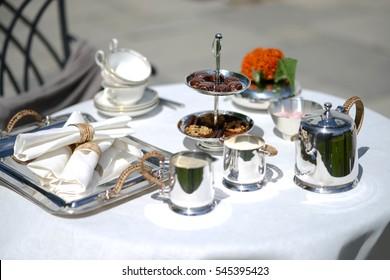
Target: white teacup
point(124, 95)
point(123, 65)
point(113, 80)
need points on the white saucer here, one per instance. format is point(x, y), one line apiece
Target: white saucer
point(148, 102)
point(128, 113)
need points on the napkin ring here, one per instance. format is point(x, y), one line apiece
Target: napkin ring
point(90, 146)
point(86, 132)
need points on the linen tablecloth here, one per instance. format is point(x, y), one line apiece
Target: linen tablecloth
point(280, 221)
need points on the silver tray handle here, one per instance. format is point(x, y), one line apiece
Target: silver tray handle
point(158, 180)
point(145, 170)
point(21, 114)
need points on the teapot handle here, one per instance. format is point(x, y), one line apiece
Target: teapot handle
point(355, 100)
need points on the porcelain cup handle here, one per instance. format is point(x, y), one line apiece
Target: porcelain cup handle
point(99, 58)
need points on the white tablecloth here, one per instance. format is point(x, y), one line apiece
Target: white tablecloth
point(280, 221)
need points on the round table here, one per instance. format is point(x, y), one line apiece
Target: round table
point(279, 221)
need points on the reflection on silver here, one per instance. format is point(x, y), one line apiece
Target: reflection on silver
point(326, 151)
point(191, 184)
point(244, 162)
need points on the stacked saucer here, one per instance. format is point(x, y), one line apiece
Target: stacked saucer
point(147, 103)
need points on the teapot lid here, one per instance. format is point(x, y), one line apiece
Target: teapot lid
point(328, 118)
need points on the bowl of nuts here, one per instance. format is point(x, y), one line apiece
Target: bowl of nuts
point(210, 130)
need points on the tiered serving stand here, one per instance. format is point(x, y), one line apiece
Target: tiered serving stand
point(215, 144)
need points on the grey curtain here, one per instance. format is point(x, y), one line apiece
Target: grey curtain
point(80, 80)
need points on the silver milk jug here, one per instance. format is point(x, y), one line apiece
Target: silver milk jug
point(190, 189)
point(326, 150)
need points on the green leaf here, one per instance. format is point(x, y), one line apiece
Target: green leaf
point(258, 77)
point(286, 71)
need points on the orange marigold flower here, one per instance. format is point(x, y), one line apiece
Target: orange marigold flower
point(262, 59)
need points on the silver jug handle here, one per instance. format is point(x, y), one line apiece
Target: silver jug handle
point(269, 150)
point(355, 100)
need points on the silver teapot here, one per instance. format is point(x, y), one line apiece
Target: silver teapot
point(326, 151)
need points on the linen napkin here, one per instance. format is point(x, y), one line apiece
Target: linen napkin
point(80, 169)
point(86, 171)
point(29, 146)
point(116, 159)
point(49, 166)
point(68, 173)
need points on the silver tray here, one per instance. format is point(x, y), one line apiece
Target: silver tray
point(20, 179)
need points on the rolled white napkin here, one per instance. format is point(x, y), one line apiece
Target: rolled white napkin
point(29, 146)
point(50, 165)
point(86, 169)
point(69, 173)
point(80, 168)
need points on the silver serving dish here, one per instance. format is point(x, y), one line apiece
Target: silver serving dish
point(253, 98)
point(226, 73)
point(287, 114)
point(20, 179)
point(211, 144)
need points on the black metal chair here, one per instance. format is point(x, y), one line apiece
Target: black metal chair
point(42, 66)
point(24, 37)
